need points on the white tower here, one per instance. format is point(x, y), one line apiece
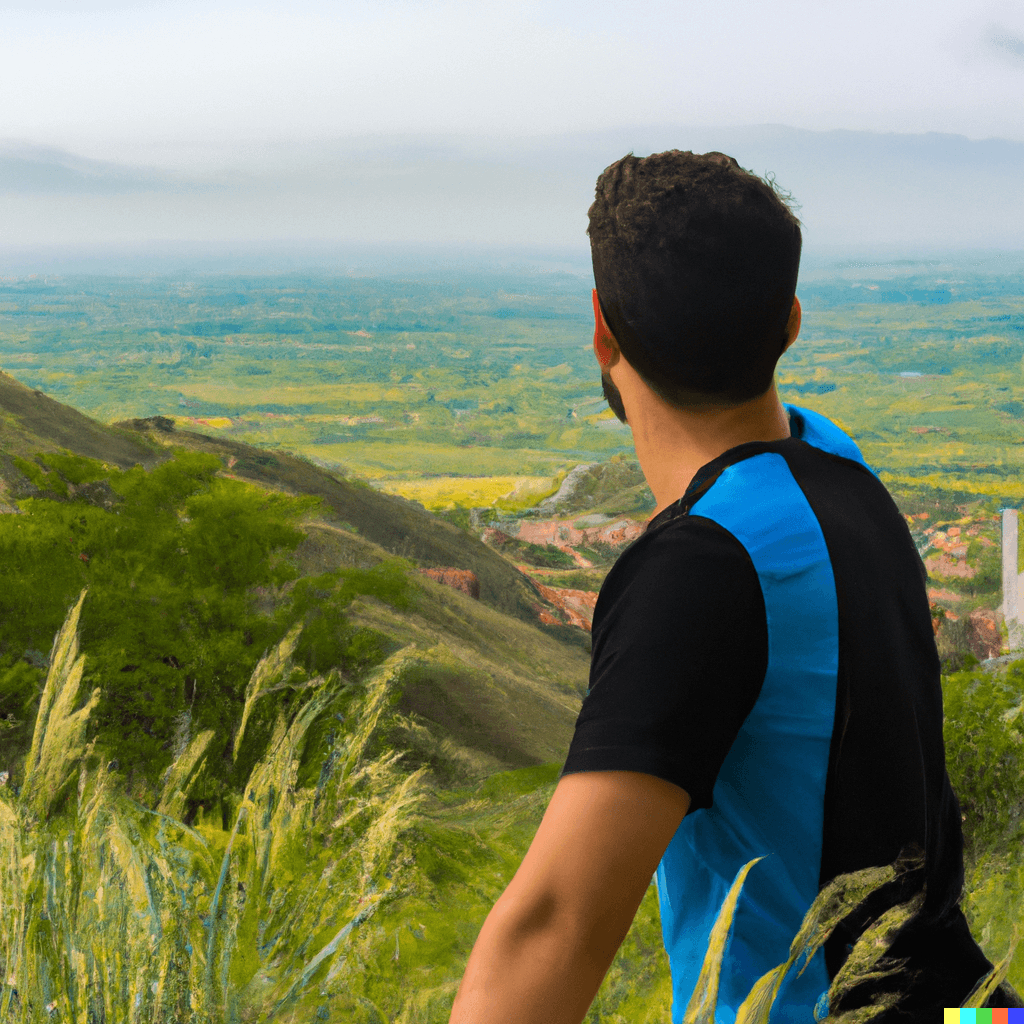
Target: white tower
point(1011, 581)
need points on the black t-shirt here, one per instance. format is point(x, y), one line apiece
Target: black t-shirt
point(683, 640)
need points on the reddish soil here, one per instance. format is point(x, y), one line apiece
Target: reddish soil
point(984, 636)
point(944, 565)
point(576, 605)
point(564, 535)
point(457, 579)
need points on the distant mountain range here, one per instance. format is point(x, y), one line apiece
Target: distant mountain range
point(370, 198)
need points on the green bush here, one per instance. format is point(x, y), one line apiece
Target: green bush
point(457, 516)
point(75, 469)
point(319, 603)
point(42, 480)
point(599, 553)
point(987, 560)
point(984, 739)
point(548, 556)
point(581, 579)
point(170, 624)
point(545, 556)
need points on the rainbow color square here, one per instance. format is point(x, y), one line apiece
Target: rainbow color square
point(1014, 1015)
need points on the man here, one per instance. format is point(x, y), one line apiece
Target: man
point(764, 678)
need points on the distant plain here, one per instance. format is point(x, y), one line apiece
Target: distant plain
point(489, 378)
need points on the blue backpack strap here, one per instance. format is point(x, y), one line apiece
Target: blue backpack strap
point(821, 432)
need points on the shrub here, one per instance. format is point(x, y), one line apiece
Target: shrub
point(984, 739)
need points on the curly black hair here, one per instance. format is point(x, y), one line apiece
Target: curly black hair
point(695, 262)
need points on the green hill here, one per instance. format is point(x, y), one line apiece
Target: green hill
point(31, 422)
point(396, 525)
point(498, 690)
point(431, 754)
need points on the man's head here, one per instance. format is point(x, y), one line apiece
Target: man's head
point(695, 262)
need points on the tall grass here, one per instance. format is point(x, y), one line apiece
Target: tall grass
point(356, 899)
point(112, 911)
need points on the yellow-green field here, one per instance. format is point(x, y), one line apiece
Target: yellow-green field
point(447, 492)
point(983, 485)
point(282, 392)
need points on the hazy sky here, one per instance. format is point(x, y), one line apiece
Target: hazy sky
point(118, 79)
point(483, 121)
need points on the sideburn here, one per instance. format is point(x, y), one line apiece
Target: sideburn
point(613, 396)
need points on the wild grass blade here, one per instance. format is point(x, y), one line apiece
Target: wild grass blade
point(267, 672)
point(864, 1014)
point(181, 772)
point(701, 1008)
point(270, 810)
point(389, 800)
point(269, 845)
point(835, 901)
point(272, 788)
point(12, 895)
point(63, 654)
point(135, 881)
point(981, 992)
point(868, 962)
point(332, 947)
point(394, 814)
point(212, 915)
point(57, 740)
point(376, 699)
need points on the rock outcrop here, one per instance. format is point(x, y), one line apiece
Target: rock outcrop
point(982, 636)
point(576, 605)
point(569, 485)
point(561, 533)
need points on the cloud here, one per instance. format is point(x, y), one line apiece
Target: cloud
point(82, 74)
point(1008, 46)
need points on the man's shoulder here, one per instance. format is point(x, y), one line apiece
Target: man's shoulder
point(679, 550)
point(678, 532)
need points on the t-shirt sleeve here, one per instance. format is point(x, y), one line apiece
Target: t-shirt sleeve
point(680, 650)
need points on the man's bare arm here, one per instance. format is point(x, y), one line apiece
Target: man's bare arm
point(551, 937)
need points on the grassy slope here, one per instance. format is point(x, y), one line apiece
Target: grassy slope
point(499, 693)
point(503, 690)
point(32, 422)
point(394, 524)
point(487, 691)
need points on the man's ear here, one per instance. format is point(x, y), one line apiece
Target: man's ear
point(605, 347)
point(793, 324)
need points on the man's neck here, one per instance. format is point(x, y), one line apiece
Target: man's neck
point(673, 444)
